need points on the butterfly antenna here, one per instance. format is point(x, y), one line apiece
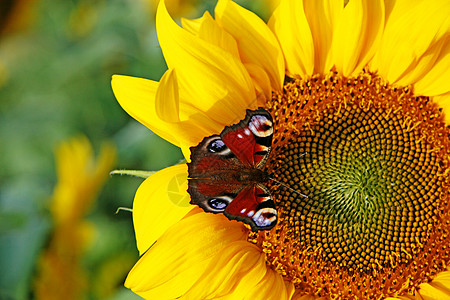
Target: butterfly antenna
point(286, 165)
point(288, 187)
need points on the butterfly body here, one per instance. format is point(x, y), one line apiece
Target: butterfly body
point(226, 176)
point(250, 176)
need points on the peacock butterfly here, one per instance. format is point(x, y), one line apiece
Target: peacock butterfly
point(226, 176)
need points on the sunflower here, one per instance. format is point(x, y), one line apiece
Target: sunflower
point(359, 95)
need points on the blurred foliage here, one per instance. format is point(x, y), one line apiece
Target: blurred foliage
point(56, 62)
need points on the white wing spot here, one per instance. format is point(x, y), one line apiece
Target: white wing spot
point(256, 125)
point(251, 213)
point(243, 211)
point(262, 220)
point(240, 136)
point(247, 132)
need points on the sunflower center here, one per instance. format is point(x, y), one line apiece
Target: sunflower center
point(372, 160)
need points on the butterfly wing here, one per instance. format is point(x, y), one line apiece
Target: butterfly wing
point(211, 159)
point(211, 173)
point(217, 163)
point(253, 205)
point(251, 139)
point(243, 145)
point(250, 204)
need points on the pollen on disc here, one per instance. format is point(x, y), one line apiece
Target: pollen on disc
point(373, 160)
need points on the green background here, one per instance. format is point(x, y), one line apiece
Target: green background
point(55, 74)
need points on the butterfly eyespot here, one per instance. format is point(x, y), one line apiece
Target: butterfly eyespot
point(265, 127)
point(216, 146)
point(218, 203)
point(261, 126)
point(269, 215)
point(265, 217)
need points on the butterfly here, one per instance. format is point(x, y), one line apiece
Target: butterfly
point(226, 176)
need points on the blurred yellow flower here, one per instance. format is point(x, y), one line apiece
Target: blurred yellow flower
point(364, 90)
point(80, 178)
point(83, 18)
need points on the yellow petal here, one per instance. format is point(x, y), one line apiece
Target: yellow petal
point(437, 80)
point(211, 32)
point(257, 44)
point(235, 270)
point(193, 25)
point(167, 99)
point(195, 125)
point(322, 16)
point(211, 81)
point(423, 65)
point(428, 291)
point(161, 201)
point(272, 286)
point(357, 35)
point(441, 283)
point(289, 24)
point(413, 28)
point(182, 255)
point(262, 82)
point(157, 106)
point(137, 98)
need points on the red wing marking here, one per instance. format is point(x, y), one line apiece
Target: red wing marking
point(242, 143)
point(244, 204)
point(253, 205)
